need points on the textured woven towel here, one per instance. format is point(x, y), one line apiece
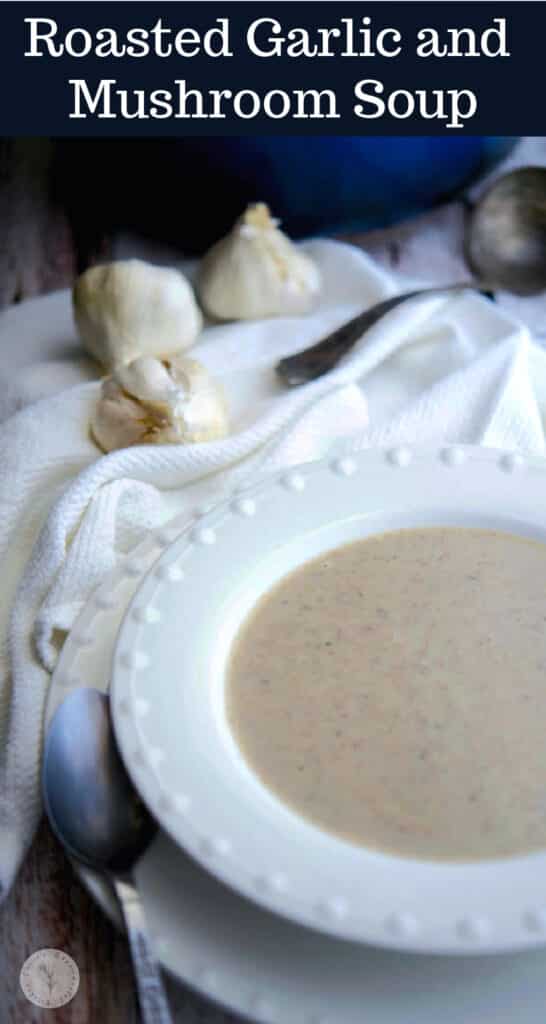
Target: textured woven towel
point(451, 369)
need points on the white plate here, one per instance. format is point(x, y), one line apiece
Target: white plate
point(258, 964)
point(168, 690)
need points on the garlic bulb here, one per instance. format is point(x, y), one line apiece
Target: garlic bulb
point(256, 271)
point(130, 308)
point(153, 401)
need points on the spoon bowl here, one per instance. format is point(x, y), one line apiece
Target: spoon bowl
point(90, 800)
point(506, 235)
point(101, 821)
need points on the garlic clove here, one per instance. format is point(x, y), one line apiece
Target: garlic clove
point(150, 401)
point(256, 271)
point(131, 308)
point(200, 409)
point(146, 379)
point(118, 421)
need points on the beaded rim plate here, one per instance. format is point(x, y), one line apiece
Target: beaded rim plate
point(169, 716)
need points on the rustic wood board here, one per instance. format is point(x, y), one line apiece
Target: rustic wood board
point(49, 907)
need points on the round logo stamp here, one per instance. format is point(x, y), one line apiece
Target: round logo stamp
point(49, 978)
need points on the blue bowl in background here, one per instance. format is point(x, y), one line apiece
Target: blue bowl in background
point(320, 185)
point(188, 191)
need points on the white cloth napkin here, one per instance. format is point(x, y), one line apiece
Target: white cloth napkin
point(452, 369)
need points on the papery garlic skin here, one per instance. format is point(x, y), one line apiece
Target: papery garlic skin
point(149, 401)
point(118, 421)
point(130, 308)
point(256, 271)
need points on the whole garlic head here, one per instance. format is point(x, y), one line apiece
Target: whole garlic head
point(153, 401)
point(131, 308)
point(256, 271)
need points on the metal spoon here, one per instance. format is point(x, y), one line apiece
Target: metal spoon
point(316, 360)
point(100, 820)
point(505, 247)
point(506, 233)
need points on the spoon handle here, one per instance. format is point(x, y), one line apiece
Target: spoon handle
point(317, 360)
point(154, 1007)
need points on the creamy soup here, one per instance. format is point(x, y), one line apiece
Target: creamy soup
point(393, 692)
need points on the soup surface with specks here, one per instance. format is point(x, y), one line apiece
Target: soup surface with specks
point(393, 692)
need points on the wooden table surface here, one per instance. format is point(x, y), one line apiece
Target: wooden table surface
point(48, 907)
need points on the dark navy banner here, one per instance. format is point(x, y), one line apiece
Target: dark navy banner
point(162, 69)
